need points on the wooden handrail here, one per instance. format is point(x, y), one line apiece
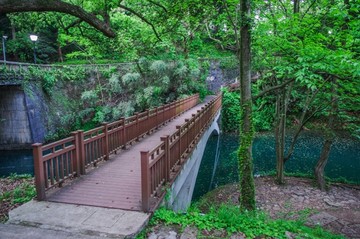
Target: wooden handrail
point(59, 161)
point(173, 151)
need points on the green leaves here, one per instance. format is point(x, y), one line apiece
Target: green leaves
point(230, 115)
point(231, 219)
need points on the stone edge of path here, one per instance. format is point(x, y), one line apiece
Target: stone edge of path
point(75, 219)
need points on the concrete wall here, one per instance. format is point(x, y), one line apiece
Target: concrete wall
point(183, 187)
point(14, 124)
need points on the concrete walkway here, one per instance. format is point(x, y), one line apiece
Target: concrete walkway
point(44, 219)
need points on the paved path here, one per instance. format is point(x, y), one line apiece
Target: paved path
point(77, 210)
point(77, 220)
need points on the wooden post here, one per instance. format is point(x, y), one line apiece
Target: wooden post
point(76, 160)
point(178, 127)
point(123, 134)
point(145, 180)
point(156, 117)
point(137, 126)
point(81, 152)
point(39, 171)
point(166, 141)
point(106, 141)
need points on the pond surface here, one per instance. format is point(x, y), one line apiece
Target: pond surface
point(344, 160)
point(16, 161)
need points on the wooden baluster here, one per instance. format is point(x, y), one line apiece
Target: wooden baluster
point(39, 171)
point(137, 127)
point(178, 127)
point(187, 133)
point(123, 133)
point(166, 141)
point(106, 141)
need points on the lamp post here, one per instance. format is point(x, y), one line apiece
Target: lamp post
point(4, 38)
point(34, 38)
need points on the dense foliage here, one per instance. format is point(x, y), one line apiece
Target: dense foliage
point(304, 62)
point(83, 97)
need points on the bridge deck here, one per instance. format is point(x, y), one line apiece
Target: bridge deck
point(117, 183)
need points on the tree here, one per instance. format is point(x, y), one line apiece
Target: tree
point(10, 6)
point(297, 54)
point(247, 187)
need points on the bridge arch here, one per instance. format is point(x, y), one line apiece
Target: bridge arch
point(182, 189)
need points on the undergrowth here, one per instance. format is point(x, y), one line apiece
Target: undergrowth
point(232, 220)
point(15, 190)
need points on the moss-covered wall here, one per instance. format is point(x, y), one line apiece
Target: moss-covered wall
point(59, 100)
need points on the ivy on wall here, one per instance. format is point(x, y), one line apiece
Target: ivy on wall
point(82, 97)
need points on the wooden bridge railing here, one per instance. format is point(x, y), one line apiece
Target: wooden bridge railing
point(67, 158)
point(162, 164)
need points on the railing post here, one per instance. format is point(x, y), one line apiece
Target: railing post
point(199, 121)
point(123, 134)
point(106, 141)
point(166, 141)
point(178, 127)
point(81, 152)
point(163, 115)
point(39, 171)
point(137, 130)
point(195, 127)
point(76, 160)
point(145, 180)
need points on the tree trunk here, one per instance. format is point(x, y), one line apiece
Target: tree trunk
point(280, 136)
point(247, 186)
point(329, 138)
point(282, 103)
point(320, 166)
point(60, 55)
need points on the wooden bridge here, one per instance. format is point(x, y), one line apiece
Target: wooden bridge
point(125, 164)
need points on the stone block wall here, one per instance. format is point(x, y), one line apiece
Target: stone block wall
point(14, 123)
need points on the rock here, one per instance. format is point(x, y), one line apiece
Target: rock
point(331, 203)
point(189, 233)
point(290, 235)
point(273, 188)
point(276, 207)
point(238, 235)
point(163, 233)
point(321, 218)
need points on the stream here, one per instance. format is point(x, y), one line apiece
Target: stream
point(221, 160)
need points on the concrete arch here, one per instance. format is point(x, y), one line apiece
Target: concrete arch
point(183, 187)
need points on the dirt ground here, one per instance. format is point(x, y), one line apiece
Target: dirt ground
point(337, 210)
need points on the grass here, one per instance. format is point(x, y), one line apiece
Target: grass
point(15, 190)
point(230, 219)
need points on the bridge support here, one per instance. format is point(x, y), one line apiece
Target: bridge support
point(183, 187)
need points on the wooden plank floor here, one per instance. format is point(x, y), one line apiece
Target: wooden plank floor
point(117, 182)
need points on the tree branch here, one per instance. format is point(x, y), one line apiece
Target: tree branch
point(273, 88)
point(10, 6)
point(142, 18)
point(159, 5)
point(212, 38)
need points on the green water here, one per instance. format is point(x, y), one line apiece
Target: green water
point(344, 160)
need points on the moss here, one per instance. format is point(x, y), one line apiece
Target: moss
point(247, 185)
